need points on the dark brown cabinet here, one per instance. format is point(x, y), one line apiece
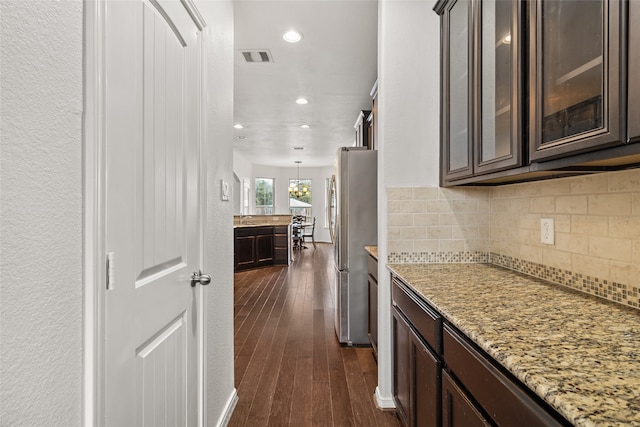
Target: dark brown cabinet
point(442, 378)
point(457, 408)
point(481, 128)
point(538, 89)
point(503, 399)
point(253, 247)
point(576, 54)
point(456, 121)
point(372, 283)
point(363, 129)
point(633, 72)
point(417, 366)
point(282, 244)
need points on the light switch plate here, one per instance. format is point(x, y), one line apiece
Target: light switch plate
point(547, 231)
point(224, 190)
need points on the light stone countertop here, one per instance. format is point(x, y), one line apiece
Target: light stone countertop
point(373, 250)
point(579, 353)
point(240, 221)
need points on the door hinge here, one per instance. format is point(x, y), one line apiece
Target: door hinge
point(111, 271)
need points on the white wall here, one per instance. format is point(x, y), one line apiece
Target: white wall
point(317, 175)
point(41, 213)
point(218, 251)
point(243, 169)
point(408, 132)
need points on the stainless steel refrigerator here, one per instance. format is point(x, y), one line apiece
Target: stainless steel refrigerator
point(353, 204)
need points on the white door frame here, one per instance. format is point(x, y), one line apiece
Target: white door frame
point(94, 208)
point(94, 196)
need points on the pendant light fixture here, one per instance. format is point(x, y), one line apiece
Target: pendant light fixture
point(297, 190)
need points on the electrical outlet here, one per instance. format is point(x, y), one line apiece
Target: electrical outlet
point(547, 231)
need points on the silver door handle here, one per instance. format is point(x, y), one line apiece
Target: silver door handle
point(198, 277)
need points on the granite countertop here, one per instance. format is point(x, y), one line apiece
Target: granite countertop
point(373, 250)
point(262, 224)
point(579, 353)
point(260, 221)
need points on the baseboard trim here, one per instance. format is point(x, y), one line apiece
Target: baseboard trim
point(384, 403)
point(228, 409)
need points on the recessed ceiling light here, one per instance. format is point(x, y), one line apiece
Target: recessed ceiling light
point(242, 137)
point(297, 148)
point(238, 126)
point(302, 101)
point(305, 126)
point(292, 36)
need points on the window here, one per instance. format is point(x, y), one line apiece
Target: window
point(264, 196)
point(299, 199)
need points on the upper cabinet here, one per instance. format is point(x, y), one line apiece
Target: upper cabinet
point(634, 72)
point(363, 136)
point(482, 87)
point(575, 62)
point(456, 54)
point(498, 88)
point(537, 89)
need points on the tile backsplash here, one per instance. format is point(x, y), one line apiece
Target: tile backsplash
point(596, 219)
point(431, 224)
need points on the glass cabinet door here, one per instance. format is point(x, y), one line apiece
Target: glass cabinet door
point(498, 105)
point(575, 62)
point(456, 20)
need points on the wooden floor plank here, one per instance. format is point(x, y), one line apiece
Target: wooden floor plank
point(290, 369)
point(321, 412)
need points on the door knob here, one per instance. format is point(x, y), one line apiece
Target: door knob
point(198, 277)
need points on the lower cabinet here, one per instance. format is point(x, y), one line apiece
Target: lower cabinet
point(282, 244)
point(372, 283)
point(253, 247)
point(457, 409)
point(502, 398)
point(417, 367)
point(441, 378)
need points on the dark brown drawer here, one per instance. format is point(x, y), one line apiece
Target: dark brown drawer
point(253, 231)
point(424, 319)
point(281, 241)
point(503, 398)
point(281, 229)
point(372, 266)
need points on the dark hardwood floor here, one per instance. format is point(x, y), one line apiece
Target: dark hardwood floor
point(289, 367)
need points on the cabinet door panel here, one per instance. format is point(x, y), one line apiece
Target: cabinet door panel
point(401, 368)
point(634, 71)
point(244, 250)
point(457, 409)
point(426, 384)
point(575, 59)
point(264, 249)
point(456, 97)
point(498, 92)
point(373, 313)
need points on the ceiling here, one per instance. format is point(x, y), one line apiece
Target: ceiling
point(334, 66)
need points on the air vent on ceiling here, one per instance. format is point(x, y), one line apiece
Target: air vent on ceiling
point(259, 55)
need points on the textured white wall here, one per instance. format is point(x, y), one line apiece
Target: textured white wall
point(41, 213)
point(408, 132)
point(219, 222)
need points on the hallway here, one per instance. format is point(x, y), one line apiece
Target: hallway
point(289, 368)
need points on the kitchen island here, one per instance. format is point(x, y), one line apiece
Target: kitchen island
point(578, 353)
point(261, 240)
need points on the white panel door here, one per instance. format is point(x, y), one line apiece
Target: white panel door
point(152, 120)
